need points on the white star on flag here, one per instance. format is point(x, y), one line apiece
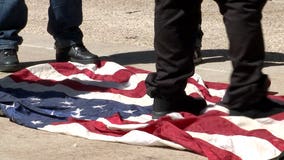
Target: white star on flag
point(129, 111)
point(67, 103)
point(36, 122)
point(99, 106)
point(77, 113)
point(10, 106)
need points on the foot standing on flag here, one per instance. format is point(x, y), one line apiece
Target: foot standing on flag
point(176, 25)
point(65, 17)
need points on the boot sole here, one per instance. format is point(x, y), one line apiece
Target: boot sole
point(10, 68)
point(89, 61)
point(157, 115)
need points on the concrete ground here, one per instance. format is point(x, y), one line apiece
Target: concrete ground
point(122, 31)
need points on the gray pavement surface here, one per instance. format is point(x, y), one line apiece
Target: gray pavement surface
point(122, 31)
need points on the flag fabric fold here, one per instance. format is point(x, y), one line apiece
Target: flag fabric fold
point(109, 103)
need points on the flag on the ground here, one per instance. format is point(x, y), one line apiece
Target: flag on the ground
point(109, 103)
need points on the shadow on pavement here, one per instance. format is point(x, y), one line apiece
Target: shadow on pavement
point(221, 55)
point(28, 64)
point(132, 57)
point(145, 57)
point(209, 56)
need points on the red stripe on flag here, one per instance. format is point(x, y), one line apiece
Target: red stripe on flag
point(204, 91)
point(168, 129)
point(69, 69)
point(26, 76)
point(216, 85)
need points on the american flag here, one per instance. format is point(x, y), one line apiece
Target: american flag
point(108, 103)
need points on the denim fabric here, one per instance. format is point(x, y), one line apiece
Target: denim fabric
point(13, 18)
point(65, 17)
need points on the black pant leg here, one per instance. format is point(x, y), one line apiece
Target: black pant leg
point(243, 25)
point(176, 24)
point(199, 35)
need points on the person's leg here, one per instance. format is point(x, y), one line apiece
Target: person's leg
point(248, 86)
point(174, 42)
point(197, 57)
point(65, 17)
point(13, 18)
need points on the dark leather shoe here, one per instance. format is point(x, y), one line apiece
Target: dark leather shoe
point(264, 108)
point(9, 60)
point(163, 106)
point(76, 53)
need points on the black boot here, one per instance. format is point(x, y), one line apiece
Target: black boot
point(9, 60)
point(264, 108)
point(163, 106)
point(76, 53)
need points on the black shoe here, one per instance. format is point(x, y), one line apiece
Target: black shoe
point(197, 58)
point(9, 60)
point(184, 103)
point(264, 108)
point(76, 53)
